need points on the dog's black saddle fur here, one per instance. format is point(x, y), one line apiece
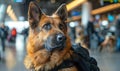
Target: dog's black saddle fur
point(80, 59)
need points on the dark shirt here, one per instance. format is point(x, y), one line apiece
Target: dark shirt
point(90, 28)
point(118, 28)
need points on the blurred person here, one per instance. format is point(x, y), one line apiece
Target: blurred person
point(72, 32)
point(91, 31)
point(108, 32)
point(104, 27)
point(3, 35)
point(25, 33)
point(12, 35)
point(117, 32)
point(6, 29)
point(108, 41)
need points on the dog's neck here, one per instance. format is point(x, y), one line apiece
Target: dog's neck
point(56, 58)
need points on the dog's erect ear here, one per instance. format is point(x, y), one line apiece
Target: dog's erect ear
point(62, 12)
point(34, 14)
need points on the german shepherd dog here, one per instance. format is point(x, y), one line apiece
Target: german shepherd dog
point(49, 46)
point(48, 43)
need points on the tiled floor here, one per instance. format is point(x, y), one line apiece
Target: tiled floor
point(14, 57)
point(107, 61)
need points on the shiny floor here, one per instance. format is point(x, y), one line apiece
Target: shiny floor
point(107, 61)
point(14, 56)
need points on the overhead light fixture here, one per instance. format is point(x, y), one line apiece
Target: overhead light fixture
point(74, 4)
point(11, 13)
point(98, 11)
point(105, 8)
point(8, 8)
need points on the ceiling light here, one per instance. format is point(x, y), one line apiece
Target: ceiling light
point(10, 12)
point(105, 8)
point(9, 8)
point(74, 4)
point(98, 11)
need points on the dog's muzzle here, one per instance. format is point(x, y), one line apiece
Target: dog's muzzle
point(55, 42)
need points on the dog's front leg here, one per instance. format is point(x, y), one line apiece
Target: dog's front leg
point(28, 63)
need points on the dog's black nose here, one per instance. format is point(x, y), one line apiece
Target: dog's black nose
point(60, 37)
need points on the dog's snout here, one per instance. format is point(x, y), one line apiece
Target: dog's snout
point(56, 41)
point(60, 37)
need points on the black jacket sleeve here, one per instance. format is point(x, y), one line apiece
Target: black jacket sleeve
point(82, 59)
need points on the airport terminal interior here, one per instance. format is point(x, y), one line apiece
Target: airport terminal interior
point(94, 24)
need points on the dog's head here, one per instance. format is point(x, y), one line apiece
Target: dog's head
point(48, 32)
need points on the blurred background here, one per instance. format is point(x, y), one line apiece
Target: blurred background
point(95, 24)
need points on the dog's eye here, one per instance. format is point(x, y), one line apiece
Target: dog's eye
point(47, 26)
point(61, 27)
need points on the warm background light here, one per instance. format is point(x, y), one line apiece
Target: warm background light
point(9, 8)
point(74, 4)
point(11, 13)
point(105, 9)
point(98, 11)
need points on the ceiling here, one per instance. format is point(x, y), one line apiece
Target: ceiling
point(48, 6)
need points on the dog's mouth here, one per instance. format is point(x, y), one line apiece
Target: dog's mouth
point(53, 47)
point(59, 47)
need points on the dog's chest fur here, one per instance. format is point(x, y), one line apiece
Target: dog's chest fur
point(56, 61)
